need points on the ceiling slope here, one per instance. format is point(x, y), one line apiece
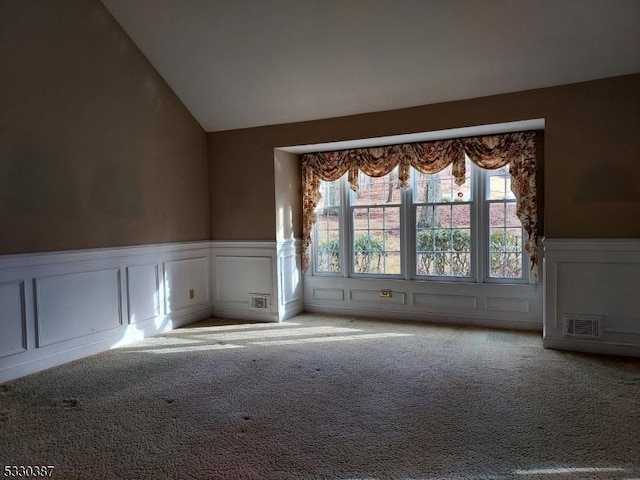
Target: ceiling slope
point(246, 63)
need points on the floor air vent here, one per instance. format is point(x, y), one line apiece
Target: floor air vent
point(583, 326)
point(259, 301)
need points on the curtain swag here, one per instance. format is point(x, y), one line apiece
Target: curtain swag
point(488, 152)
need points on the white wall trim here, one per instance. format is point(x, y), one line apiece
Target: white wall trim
point(130, 288)
point(516, 306)
point(290, 301)
point(61, 306)
point(22, 260)
point(397, 314)
point(593, 277)
point(240, 268)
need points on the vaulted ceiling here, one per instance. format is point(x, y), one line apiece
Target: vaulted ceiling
point(243, 63)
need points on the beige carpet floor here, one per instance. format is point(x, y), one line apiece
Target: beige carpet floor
point(323, 397)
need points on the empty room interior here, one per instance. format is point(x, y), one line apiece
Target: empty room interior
point(282, 239)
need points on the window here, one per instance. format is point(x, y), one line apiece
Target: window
point(505, 258)
point(434, 230)
point(443, 234)
point(327, 229)
point(375, 221)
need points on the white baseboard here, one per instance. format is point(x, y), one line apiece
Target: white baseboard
point(604, 348)
point(593, 278)
point(62, 306)
point(241, 314)
point(426, 317)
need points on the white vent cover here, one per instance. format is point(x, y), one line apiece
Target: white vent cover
point(583, 326)
point(259, 301)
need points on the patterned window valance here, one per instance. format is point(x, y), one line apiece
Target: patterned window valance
point(488, 152)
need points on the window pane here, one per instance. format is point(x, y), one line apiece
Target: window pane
point(377, 191)
point(440, 187)
point(376, 241)
point(500, 184)
point(503, 214)
point(327, 229)
point(461, 215)
point(443, 225)
point(392, 263)
point(505, 253)
point(445, 252)
point(505, 240)
point(361, 219)
point(330, 192)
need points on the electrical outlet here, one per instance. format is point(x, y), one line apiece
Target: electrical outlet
point(192, 294)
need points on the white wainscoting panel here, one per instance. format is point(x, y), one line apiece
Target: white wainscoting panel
point(239, 270)
point(593, 277)
point(61, 306)
point(237, 277)
point(289, 279)
point(76, 304)
point(495, 305)
point(326, 295)
point(440, 302)
point(522, 305)
point(373, 297)
point(186, 283)
point(143, 292)
point(12, 319)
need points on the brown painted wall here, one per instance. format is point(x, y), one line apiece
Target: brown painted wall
point(591, 156)
point(95, 149)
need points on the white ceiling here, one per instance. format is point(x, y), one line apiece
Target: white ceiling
point(243, 63)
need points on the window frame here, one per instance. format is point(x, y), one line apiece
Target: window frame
point(349, 224)
point(479, 231)
point(473, 277)
point(484, 240)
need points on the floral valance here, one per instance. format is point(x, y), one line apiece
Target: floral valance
point(489, 152)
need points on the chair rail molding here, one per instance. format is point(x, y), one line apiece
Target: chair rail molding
point(592, 280)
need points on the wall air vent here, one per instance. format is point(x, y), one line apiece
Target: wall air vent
point(259, 301)
point(583, 326)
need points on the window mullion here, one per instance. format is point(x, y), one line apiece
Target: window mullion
point(480, 224)
point(345, 227)
point(407, 231)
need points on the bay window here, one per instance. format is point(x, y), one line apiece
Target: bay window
point(454, 210)
point(433, 230)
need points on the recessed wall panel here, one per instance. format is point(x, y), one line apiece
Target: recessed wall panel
point(503, 304)
point(143, 292)
point(236, 277)
point(77, 304)
point(12, 319)
point(441, 301)
point(373, 297)
point(291, 278)
point(335, 294)
point(186, 283)
point(600, 288)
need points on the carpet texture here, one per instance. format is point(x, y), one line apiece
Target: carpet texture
point(322, 397)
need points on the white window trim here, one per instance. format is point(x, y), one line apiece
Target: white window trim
point(479, 239)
